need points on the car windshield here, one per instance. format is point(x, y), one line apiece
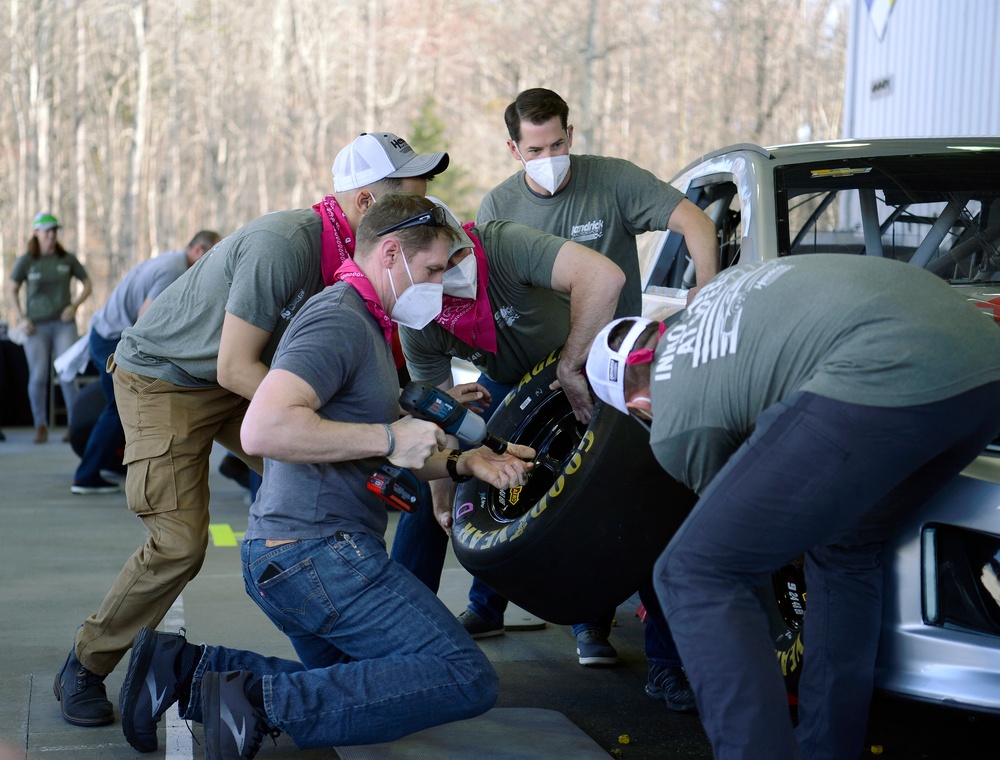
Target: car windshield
point(941, 213)
point(938, 212)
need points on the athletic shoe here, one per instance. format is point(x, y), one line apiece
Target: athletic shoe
point(477, 627)
point(158, 669)
point(228, 714)
point(672, 686)
point(100, 485)
point(593, 648)
point(82, 697)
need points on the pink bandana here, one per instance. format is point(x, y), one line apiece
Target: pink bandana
point(337, 242)
point(645, 355)
point(471, 321)
point(354, 277)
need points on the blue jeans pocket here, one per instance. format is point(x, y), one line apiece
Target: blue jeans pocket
point(288, 587)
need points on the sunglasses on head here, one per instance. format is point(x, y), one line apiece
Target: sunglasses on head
point(435, 217)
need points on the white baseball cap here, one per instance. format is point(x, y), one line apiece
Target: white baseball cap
point(606, 365)
point(375, 156)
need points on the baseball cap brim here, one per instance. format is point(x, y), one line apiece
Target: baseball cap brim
point(421, 164)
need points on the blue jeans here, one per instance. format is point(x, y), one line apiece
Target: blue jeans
point(107, 435)
point(832, 481)
point(381, 656)
point(52, 337)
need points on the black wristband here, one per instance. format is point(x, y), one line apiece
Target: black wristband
point(452, 466)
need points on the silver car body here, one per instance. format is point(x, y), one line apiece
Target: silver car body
point(936, 204)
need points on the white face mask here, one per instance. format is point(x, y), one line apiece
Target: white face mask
point(548, 172)
point(462, 279)
point(419, 303)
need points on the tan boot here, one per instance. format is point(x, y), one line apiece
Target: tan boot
point(41, 434)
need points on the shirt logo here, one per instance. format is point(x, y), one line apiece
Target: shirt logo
point(289, 311)
point(589, 231)
point(505, 316)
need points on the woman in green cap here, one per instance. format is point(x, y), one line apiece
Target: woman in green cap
point(48, 319)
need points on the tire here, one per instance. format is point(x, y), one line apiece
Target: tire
point(89, 404)
point(583, 534)
point(784, 601)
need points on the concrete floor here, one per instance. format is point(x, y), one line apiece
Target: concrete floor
point(60, 553)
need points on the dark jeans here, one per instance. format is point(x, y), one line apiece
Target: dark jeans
point(379, 656)
point(107, 435)
point(832, 481)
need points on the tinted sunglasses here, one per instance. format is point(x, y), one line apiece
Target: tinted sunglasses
point(436, 217)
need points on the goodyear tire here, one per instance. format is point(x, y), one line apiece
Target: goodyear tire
point(89, 405)
point(784, 601)
point(584, 532)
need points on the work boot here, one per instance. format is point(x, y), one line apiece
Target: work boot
point(227, 713)
point(81, 694)
point(160, 671)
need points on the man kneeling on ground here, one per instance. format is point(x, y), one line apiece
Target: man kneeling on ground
point(381, 656)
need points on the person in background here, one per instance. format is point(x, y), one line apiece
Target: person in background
point(184, 375)
point(49, 315)
point(846, 391)
point(602, 203)
point(127, 302)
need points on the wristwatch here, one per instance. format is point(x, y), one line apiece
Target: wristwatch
point(452, 466)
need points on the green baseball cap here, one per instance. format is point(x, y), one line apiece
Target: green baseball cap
point(45, 221)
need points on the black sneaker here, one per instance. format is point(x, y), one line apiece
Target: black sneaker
point(159, 667)
point(82, 697)
point(100, 485)
point(593, 648)
point(477, 627)
point(228, 717)
point(672, 686)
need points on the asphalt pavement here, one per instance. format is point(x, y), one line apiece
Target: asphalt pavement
point(60, 553)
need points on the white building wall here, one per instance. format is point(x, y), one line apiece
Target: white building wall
point(935, 72)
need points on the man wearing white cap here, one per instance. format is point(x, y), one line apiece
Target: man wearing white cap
point(184, 375)
point(814, 403)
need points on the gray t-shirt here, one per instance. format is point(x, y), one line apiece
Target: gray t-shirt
point(605, 204)
point(857, 329)
point(145, 280)
point(336, 346)
point(48, 280)
point(262, 273)
point(531, 319)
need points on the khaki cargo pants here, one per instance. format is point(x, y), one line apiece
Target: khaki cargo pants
point(169, 431)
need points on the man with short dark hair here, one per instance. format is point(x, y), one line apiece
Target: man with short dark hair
point(381, 656)
point(127, 302)
point(844, 392)
point(597, 201)
point(184, 375)
point(602, 203)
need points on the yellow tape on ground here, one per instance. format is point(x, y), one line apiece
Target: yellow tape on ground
point(223, 535)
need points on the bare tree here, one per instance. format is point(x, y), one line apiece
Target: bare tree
point(239, 109)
